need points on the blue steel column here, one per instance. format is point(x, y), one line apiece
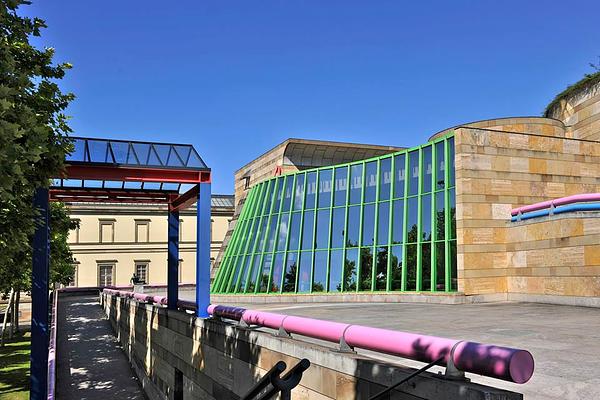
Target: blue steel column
point(173, 261)
point(203, 251)
point(39, 297)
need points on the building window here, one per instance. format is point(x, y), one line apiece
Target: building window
point(141, 270)
point(74, 235)
point(107, 231)
point(74, 280)
point(142, 230)
point(106, 274)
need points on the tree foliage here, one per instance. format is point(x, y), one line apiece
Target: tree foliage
point(33, 135)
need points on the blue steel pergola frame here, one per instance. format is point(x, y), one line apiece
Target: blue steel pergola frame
point(100, 170)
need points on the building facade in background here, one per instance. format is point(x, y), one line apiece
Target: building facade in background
point(434, 219)
point(114, 241)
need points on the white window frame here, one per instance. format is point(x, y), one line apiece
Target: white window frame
point(113, 266)
point(146, 265)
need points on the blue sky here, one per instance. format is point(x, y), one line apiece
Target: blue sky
point(235, 78)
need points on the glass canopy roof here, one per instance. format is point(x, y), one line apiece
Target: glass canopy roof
point(135, 154)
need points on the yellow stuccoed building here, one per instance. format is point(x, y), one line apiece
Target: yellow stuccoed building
point(114, 241)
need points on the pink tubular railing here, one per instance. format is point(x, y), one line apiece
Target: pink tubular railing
point(513, 365)
point(509, 364)
point(52, 349)
point(577, 198)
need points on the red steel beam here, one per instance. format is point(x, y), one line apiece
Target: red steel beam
point(167, 175)
point(178, 203)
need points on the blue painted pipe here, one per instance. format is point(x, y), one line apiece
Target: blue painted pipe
point(558, 210)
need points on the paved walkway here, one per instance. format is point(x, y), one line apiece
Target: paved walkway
point(91, 363)
point(564, 340)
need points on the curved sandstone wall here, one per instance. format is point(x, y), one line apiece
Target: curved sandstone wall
point(580, 112)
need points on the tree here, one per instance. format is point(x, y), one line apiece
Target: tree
point(33, 140)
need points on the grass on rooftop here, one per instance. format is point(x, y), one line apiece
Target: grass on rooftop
point(14, 368)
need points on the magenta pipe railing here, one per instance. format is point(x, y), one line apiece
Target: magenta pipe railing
point(577, 198)
point(509, 364)
point(513, 365)
point(52, 349)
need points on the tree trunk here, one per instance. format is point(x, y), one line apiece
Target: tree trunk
point(6, 311)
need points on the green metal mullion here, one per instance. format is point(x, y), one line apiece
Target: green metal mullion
point(287, 239)
point(252, 215)
point(447, 222)
point(433, 218)
point(360, 225)
point(404, 223)
point(419, 223)
point(312, 242)
point(238, 241)
point(268, 217)
point(301, 231)
point(375, 227)
point(276, 237)
point(348, 183)
point(244, 231)
point(388, 282)
point(333, 175)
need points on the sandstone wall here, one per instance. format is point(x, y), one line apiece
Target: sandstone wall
point(497, 171)
point(178, 356)
point(581, 114)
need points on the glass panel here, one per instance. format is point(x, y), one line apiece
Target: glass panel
point(452, 199)
point(413, 169)
point(350, 265)
point(440, 266)
point(311, 190)
point(411, 265)
point(195, 160)
point(305, 267)
point(277, 202)
point(287, 193)
point(325, 187)
point(295, 231)
point(368, 232)
point(341, 186)
point(142, 151)
point(242, 280)
point(253, 274)
point(283, 231)
point(322, 240)
point(98, 151)
point(355, 183)
point(163, 152)
point(299, 191)
point(439, 216)
point(291, 269)
point(308, 230)
point(238, 267)
point(335, 270)
point(370, 181)
point(426, 217)
point(400, 175)
point(440, 165)
point(426, 266)
point(268, 197)
point(366, 268)
point(396, 262)
point(78, 153)
point(264, 274)
point(451, 161)
point(383, 223)
point(353, 226)
point(262, 234)
point(320, 275)
point(381, 272)
point(398, 221)
point(413, 217)
point(453, 266)
point(183, 152)
point(272, 232)
point(337, 228)
point(277, 271)
point(385, 178)
point(427, 169)
point(120, 151)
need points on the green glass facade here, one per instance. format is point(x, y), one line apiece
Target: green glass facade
point(382, 224)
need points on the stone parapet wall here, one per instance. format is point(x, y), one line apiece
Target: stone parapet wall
point(178, 356)
point(580, 112)
point(497, 171)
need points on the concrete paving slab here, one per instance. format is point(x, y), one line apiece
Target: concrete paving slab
point(90, 362)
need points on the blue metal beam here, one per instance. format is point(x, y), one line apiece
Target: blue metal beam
point(173, 261)
point(203, 251)
point(39, 297)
